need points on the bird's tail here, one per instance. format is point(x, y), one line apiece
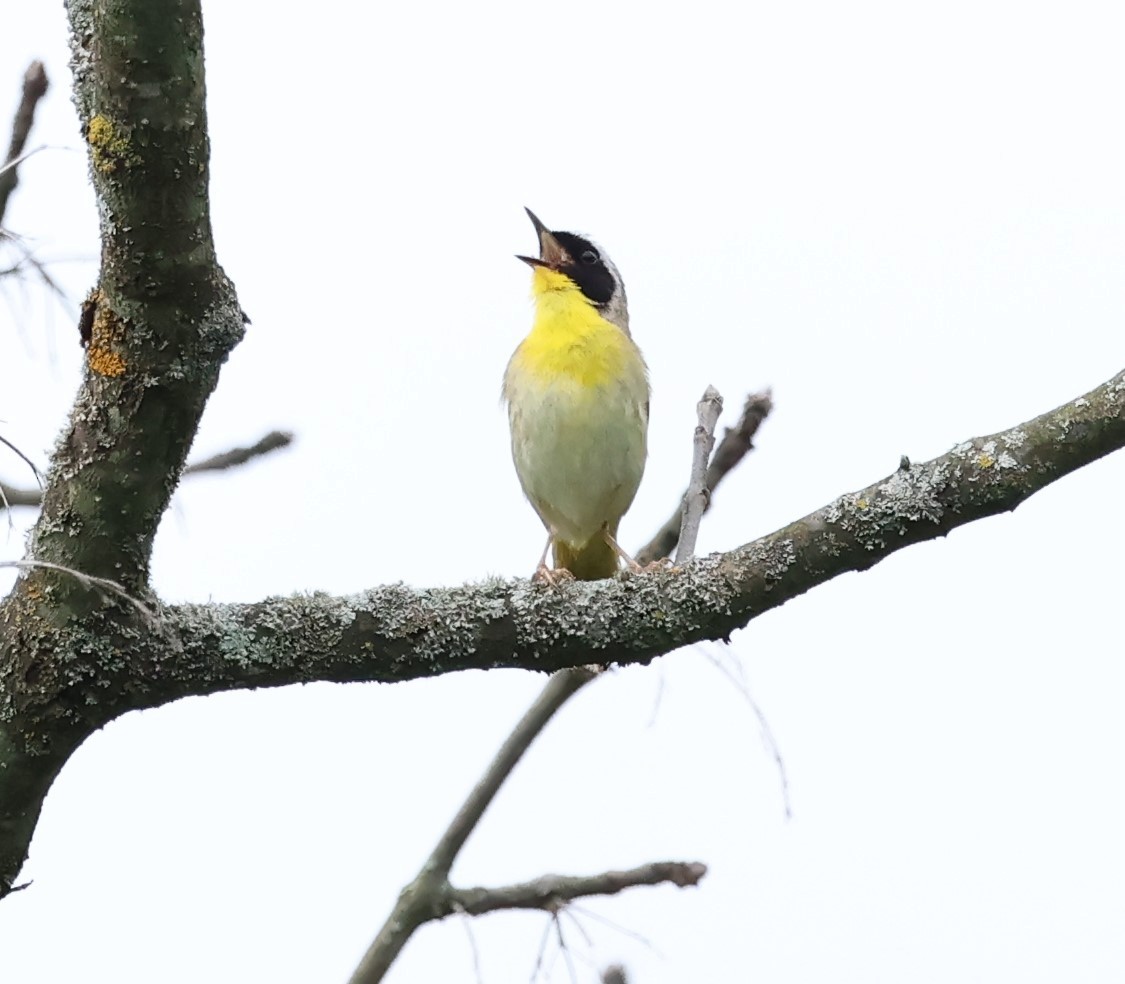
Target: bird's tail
point(591, 561)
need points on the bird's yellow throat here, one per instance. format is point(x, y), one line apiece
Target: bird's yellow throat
point(569, 338)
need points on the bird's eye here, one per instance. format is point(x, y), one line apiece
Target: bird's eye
point(589, 257)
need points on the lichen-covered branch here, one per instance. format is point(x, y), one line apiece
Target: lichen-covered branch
point(398, 633)
point(92, 669)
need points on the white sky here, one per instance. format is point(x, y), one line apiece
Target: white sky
point(908, 219)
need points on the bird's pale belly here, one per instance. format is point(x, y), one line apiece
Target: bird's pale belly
point(580, 454)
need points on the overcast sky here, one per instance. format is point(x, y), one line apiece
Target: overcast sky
point(907, 219)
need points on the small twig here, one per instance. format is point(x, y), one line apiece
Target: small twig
point(552, 892)
point(616, 927)
point(563, 948)
point(24, 458)
point(34, 88)
point(736, 443)
point(541, 955)
point(737, 679)
point(698, 493)
point(273, 441)
point(468, 922)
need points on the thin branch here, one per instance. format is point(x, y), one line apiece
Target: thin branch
point(23, 457)
point(273, 441)
point(737, 442)
point(422, 900)
point(559, 689)
point(34, 88)
point(698, 492)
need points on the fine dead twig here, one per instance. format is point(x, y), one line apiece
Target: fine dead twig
point(103, 584)
point(732, 670)
point(34, 88)
point(737, 442)
point(273, 441)
point(430, 896)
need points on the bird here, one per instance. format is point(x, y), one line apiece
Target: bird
point(577, 392)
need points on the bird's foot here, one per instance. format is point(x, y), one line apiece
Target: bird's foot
point(552, 578)
point(662, 566)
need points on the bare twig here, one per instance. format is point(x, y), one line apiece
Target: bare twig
point(273, 441)
point(24, 458)
point(698, 492)
point(552, 892)
point(34, 88)
point(736, 443)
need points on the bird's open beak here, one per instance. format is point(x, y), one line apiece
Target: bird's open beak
point(551, 253)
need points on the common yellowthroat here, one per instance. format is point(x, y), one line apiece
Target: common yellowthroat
point(577, 393)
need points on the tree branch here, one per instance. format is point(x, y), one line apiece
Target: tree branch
point(737, 442)
point(34, 89)
point(397, 633)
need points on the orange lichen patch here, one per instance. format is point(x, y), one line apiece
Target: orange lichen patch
point(107, 331)
point(985, 461)
point(109, 149)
